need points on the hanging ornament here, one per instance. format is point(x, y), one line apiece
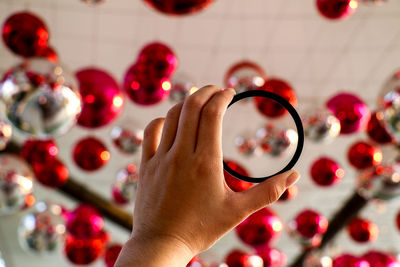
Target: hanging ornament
point(179, 7)
point(39, 98)
point(16, 184)
point(362, 230)
point(238, 258)
point(336, 9)
point(380, 259)
point(347, 260)
point(125, 185)
point(85, 222)
point(5, 134)
point(289, 193)
point(182, 87)
point(269, 107)
point(111, 254)
point(90, 154)
point(260, 228)
point(326, 172)
point(272, 257)
point(43, 230)
point(351, 111)
point(127, 141)
point(362, 155)
point(244, 76)
point(376, 129)
point(321, 126)
point(25, 34)
point(235, 184)
point(52, 172)
point(317, 259)
point(275, 141)
point(102, 100)
point(39, 151)
point(246, 146)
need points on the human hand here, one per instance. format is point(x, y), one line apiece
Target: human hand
point(183, 205)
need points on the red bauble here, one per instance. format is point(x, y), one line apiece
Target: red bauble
point(290, 193)
point(310, 223)
point(362, 155)
point(362, 230)
point(51, 173)
point(179, 7)
point(25, 34)
point(50, 54)
point(269, 107)
point(326, 172)
point(85, 222)
point(380, 259)
point(39, 151)
point(347, 260)
point(260, 228)
point(351, 111)
point(84, 251)
point(102, 100)
point(376, 130)
point(272, 257)
point(235, 184)
point(111, 254)
point(90, 154)
point(237, 258)
point(337, 9)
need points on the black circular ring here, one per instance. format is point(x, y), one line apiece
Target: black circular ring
point(299, 126)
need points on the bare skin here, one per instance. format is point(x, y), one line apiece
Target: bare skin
point(183, 205)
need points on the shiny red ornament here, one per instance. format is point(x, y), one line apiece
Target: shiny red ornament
point(90, 154)
point(337, 9)
point(84, 251)
point(290, 193)
point(376, 130)
point(102, 100)
point(85, 222)
point(111, 254)
point(39, 151)
point(347, 260)
point(179, 7)
point(362, 230)
point(234, 183)
point(351, 111)
point(50, 54)
point(260, 228)
point(25, 34)
point(238, 258)
point(51, 173)
point(309, 223)
point(380, 259)
point(269, 107)
point(362, 155)
point(272, 257)
point(325, 172)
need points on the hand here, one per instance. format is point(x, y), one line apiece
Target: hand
point(183, 205)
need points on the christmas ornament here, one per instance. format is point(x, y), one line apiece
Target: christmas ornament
point(316, 259)
point(5, 134)
point(326, 172)
point(244, 76)
point(362, 230)
point(246, 146)
point(125, 185)
point(85, 222)
point(43, 230)
point(39, 98)
point(182, 87)
point(25, 34)
point(179, 7)
point(275, 141)
point(376, 129)
point(260, 228)
point(102, 100)
point(380, 259)
point(362, 155)
point(39, 151)
point(126, 140)
point(351, 111)
point(336, 9)
point(238, 258)
point(111, 254)
point(272, 257)
point(90, 154)
point(269, 107)
point(50, 54)
point(16, 184)
point(52, 172)
point(321, 126)
point(347, 260)
point(234, 183)
point(289, 193)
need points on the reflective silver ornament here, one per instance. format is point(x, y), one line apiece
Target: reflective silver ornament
point(181, 87)
point(126, 140)
point(321, 126)
point(5, 133)
point(275, 141)
point(125, 186)
point(39, 98)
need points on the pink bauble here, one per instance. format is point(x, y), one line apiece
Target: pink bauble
point(309, 223)
point(179, 7)
point(272, 257)
point(337, 9)
point(325, 172)
point(90, 154)
point(158, 60)
point(239, 258)
point(39, 151)
point(380, 259)
point(85, 222)
point(347, 260)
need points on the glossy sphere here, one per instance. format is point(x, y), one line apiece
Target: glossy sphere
point(362, 230)
point(179, 7)
point(111, 254)
point(337, 9)
point(269, 107)
point(126, 140)
point(234, 183)
point(40, 98)
point(51, 173)
point(238, 258)
point(260, 228)
point(376, 129)
point(362, 155)
point(347, 260)
point(125, 186)
point(380, 259)
point(325, 172)
point(182, 87)
point(90, 154)
point(25, 34)
point(272, 257)
point(39, 151)
point(5, 133)
point(102, 100)
point(320, 126)
point(290, 193)
point(85, 222)
point(309, 223)
point(244, 76)
point(351, 111)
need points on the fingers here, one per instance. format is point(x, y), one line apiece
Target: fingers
point(210, 127)
point(151, 139)
point(170, 127)
point(190, 116)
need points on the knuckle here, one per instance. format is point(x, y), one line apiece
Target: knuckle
point(212, 111)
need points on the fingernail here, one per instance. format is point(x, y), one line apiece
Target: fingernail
point(232, 89)
point(292, 178)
